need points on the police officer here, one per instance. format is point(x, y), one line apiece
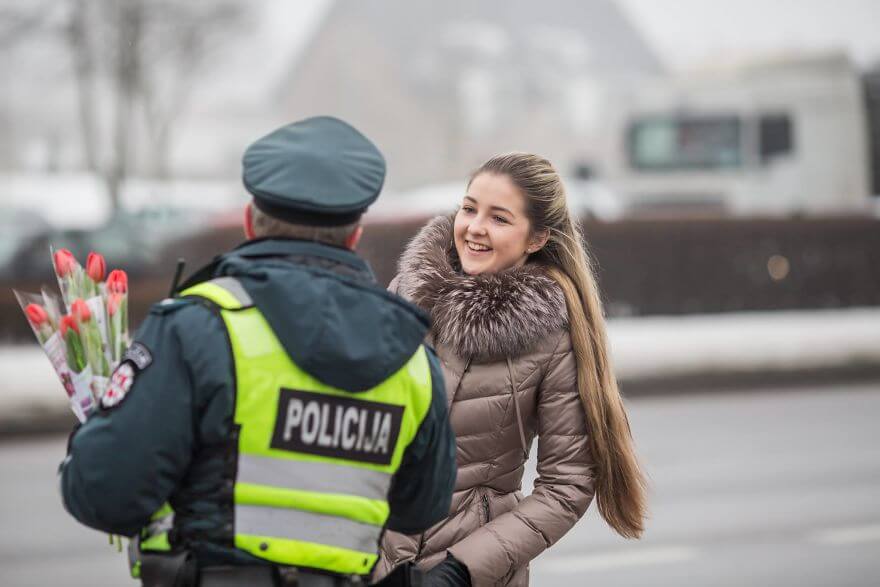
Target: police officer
point(270, 420)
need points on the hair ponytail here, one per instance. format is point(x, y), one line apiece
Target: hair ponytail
point(620, 485)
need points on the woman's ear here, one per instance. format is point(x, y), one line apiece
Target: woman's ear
point(537, 241)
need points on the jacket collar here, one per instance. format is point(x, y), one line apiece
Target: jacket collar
point(483, 317)
point(298, 251)
point(284, 247)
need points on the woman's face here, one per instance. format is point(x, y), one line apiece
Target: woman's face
point(491, 230)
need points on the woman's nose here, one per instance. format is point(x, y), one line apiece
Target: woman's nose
point(476, 227)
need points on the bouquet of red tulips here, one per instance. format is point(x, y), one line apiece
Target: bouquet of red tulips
point(84, 333)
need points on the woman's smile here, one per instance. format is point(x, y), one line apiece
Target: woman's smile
point(491, 229)
point(477, 248)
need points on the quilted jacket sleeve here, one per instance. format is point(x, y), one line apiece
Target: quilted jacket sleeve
point(563, 490)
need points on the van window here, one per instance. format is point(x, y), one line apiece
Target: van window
point(668, 143)
point(775, 135)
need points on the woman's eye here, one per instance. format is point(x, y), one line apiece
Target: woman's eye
point(501, 219)
point(468, 209)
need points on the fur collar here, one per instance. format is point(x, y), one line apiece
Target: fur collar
point(480, 316)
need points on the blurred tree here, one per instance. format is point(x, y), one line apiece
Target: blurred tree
point(142, 57)
point(16, 23)
point(134, 64)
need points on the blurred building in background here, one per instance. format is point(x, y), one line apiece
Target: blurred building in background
point(443, 86)
point(149, 103)
point(746, 184)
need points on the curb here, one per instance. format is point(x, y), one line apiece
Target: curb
point(758, 381)
point(45, 421)
point(658, 355)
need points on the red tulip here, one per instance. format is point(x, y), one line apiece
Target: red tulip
point(113, 301)
point(64, 262)
point(117, 282)
point(96, 267)
point(80, 311)
point(36, 314)
point(68, 322)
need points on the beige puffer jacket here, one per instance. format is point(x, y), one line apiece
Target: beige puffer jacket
point(510, 376)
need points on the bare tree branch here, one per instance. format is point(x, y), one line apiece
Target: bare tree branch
point(21, 22)
point(85, 71)
point(144, 55)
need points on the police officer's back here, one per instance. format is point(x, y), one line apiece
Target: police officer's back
point(283, 405)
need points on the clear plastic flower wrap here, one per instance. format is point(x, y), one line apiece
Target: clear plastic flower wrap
point(85, 332)
point(59, 338)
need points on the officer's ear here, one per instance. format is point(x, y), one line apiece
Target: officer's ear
point(249, 222)
point(352, 240)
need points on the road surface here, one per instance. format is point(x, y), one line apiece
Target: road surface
point(776, 487)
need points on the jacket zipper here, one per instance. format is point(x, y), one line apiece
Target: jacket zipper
point(486, 508)
point(421, 545)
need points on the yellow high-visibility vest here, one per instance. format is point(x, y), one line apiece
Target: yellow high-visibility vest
point(314, 463)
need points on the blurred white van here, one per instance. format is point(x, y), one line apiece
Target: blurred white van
point(785, 137)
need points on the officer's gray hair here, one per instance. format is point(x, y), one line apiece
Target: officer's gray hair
point(268, 226)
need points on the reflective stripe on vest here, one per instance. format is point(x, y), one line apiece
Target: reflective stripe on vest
point(312, 476)
point(315, 463)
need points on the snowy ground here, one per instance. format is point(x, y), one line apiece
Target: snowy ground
point(657, 347)
point(642, 348)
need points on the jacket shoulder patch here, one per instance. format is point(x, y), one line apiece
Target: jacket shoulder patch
point(139, 354)
point(120, 384)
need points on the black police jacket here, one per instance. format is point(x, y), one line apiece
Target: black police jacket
point(169, 438)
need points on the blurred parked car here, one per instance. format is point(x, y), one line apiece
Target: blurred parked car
point(16, 227)
point(122, 244)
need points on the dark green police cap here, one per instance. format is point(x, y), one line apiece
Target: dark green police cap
point(318, 171)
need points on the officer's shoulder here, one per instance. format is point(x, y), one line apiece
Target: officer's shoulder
point(170, 306)
point(188, 317)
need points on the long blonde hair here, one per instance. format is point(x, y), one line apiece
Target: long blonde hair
point(620, 484)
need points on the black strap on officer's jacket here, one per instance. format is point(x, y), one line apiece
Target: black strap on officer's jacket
point(171, 569)
point(180, 569)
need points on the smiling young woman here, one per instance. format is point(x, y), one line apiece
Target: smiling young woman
point(491, 230)
point(518, 325)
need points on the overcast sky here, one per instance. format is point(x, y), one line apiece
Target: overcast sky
point(687, 33)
